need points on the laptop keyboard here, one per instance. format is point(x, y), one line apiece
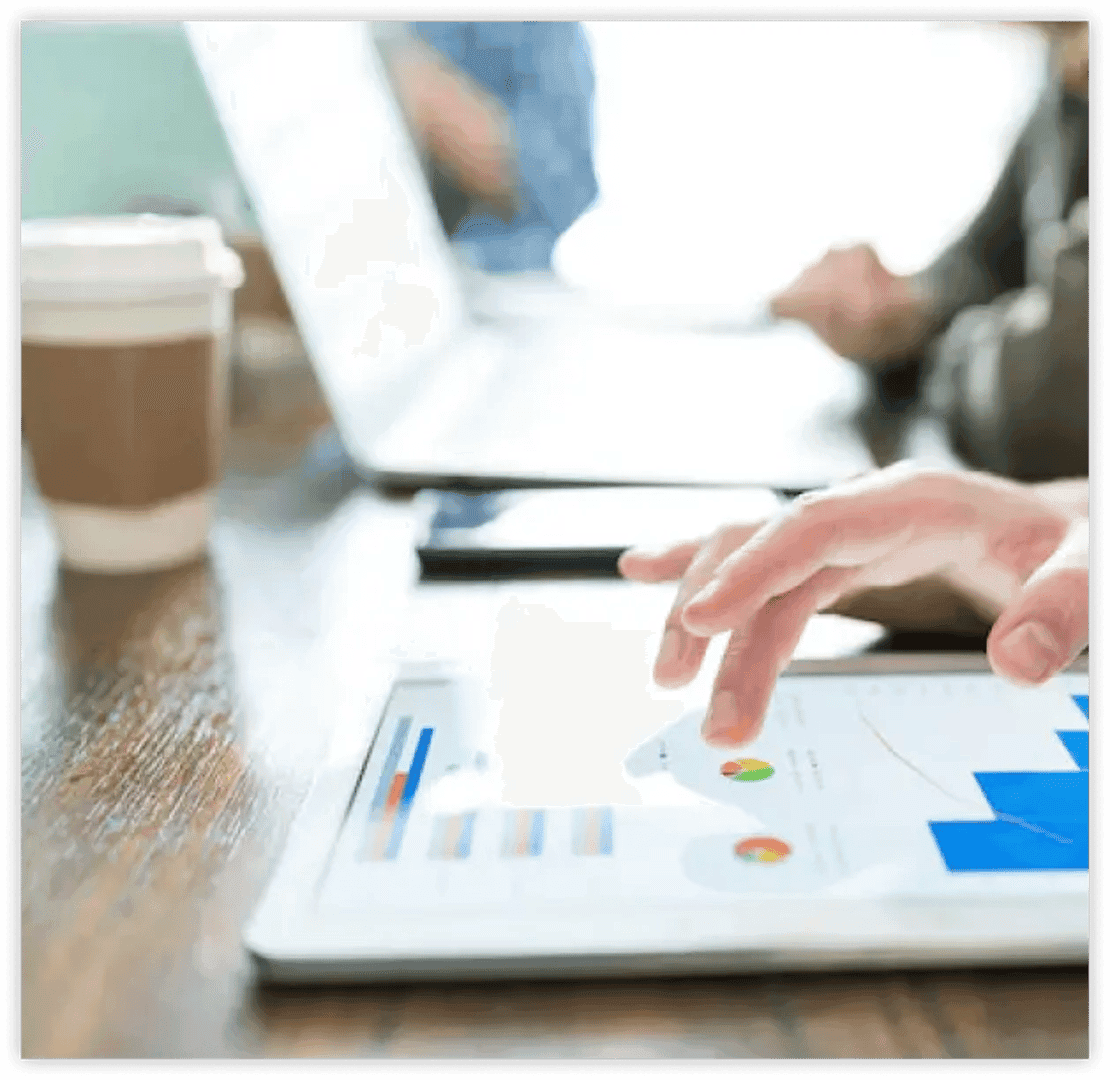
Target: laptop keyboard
point(613, 404)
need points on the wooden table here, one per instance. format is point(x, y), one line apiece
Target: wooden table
point(171, 725)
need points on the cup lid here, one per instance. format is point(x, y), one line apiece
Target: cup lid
point(126, 257)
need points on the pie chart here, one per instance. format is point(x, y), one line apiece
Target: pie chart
point(747, 770)
point(762, 849)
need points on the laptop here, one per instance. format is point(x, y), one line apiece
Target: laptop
point(433, 381)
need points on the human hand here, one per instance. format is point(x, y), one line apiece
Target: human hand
point(1069, 43)
point(464, 128)
point(1020, 557)
point(855, 305)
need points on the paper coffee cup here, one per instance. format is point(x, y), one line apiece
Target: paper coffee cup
point(125, 329)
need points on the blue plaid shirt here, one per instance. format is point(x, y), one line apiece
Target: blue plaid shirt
point(542, 74)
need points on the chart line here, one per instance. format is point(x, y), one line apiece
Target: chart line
point(1011, 818)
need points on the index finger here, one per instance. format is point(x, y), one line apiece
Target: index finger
point(668, 564)
point(681, 652)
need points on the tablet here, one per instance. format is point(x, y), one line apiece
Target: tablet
point(525, 818)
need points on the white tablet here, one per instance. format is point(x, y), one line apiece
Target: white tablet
point(893, 811)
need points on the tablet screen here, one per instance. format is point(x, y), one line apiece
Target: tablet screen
point(908, 785)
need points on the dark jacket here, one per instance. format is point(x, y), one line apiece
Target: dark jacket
point(1007, 363)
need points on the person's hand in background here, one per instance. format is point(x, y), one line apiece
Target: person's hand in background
point(856, 306)
point(1070, 46)
point(535, 81)
point(464, 129)
point(1017, 553)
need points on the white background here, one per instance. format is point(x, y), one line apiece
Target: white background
point(730, 154)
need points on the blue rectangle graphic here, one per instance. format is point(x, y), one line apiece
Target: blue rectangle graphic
point(605, 840)
point(535, 840)
point(992, 846)
point(466, 835)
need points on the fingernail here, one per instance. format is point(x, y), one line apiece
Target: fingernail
point(691, 617)
point(724, 724)
point(1031, 651)
point(670, 650)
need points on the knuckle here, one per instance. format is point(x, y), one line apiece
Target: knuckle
point(914, 474)
point(673, 620)
point(739, 533)
point(809, 502)
point(722, 541)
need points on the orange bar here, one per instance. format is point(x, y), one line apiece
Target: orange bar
point(451, 837)
point(385, 826)
point(593, 832)
point(394, 796)
point(523, 820)
point(381, 841)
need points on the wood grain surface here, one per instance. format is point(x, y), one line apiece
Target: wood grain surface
point(171, 725)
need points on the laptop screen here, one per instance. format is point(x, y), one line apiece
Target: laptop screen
point(336, 183)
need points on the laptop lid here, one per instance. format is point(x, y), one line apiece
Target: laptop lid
point(337, 187)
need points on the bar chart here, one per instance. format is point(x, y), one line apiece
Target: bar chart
point(395, 793)
point(592, 830)
point(992, 801)
point(1041, 818)
point(524, 833)
point(453, 836)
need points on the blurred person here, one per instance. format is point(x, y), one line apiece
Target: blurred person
point(994, 333)
point(504, 114)
point(905, 546)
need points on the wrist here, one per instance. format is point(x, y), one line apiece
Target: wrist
point(909, 320)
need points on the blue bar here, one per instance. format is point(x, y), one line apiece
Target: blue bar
point(1042, 798)
point(389, 767)
point(416, 768)
point(412, 782)
point(1044, 818)
point(992, 846)
point(466, 834)
point(1084, 702)
point(605, 844)
point(535, 846)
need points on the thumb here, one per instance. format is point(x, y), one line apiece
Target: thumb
point(1045, 627)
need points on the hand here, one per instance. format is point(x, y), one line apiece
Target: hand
point(856, 306)
point(1020, 557)
point(464, 128)
point(1069, 43)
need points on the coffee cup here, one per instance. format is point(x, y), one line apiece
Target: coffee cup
point(125, 329)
